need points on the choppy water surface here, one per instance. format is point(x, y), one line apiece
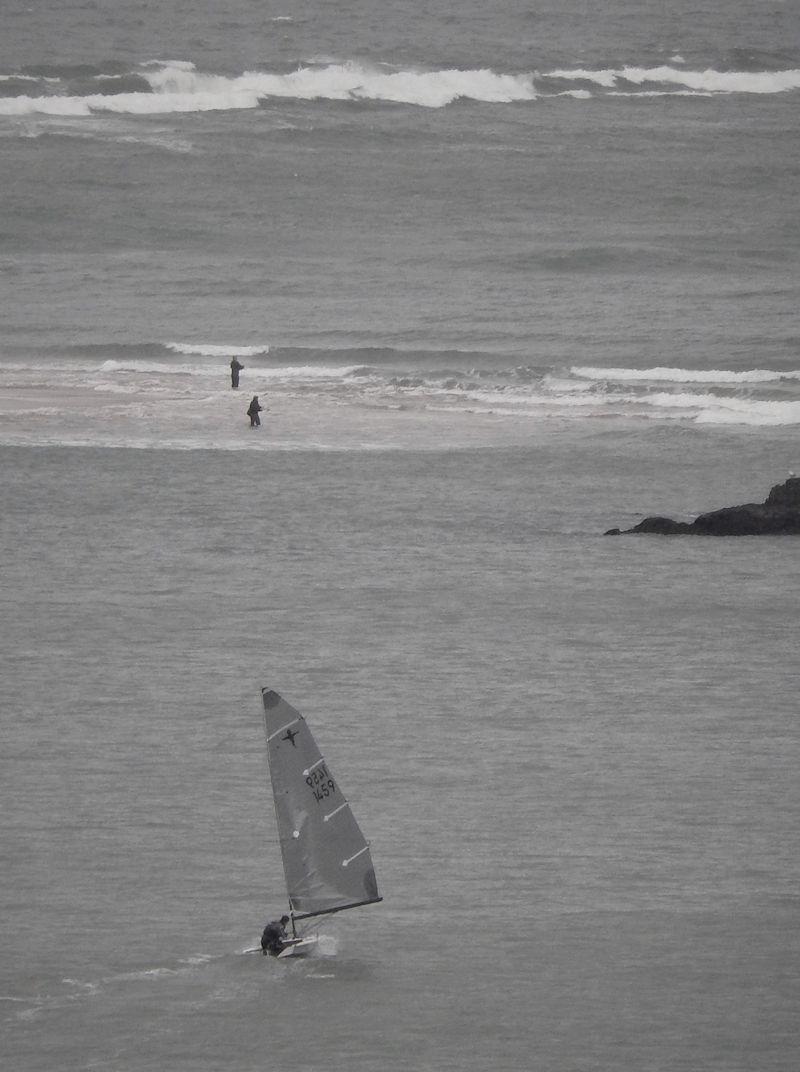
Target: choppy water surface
point(575, 758)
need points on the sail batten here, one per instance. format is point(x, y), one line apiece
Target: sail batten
point(355, 856)
point(328, 866)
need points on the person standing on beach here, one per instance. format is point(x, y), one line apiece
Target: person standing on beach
point(253, 411)
point(236, 368)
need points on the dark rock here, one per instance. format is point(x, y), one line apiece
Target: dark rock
point(778, 515)
point(663, 526)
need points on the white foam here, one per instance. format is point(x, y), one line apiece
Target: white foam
point(129, 103)
point(557, 383)
point(708, 81)
point(37, 411)
point(185, 65)
point(569, 400)
point(698, 407)
point(156, 368)
point(327, 946)
point(90, 988)
point(679, 375)
point(44, 106)
point(310, 372)
point(660, 93)
point(179, 87)
point(578, 74)
point(347, 81)
point(116, 388)
point(215, 349)
point(711, 409)
point(717, 81)
point(435, 89)
point(281, 372)
point(145, 973)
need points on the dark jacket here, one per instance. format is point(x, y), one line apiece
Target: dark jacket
point(272, 937)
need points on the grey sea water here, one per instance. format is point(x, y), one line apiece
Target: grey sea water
point(503, 279)
point(575, 757)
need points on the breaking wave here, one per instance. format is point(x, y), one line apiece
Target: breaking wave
point(178, 86)
point(157, 385)
point(679, 375)
point(215, 350)
point(174, 86)
point(284, 373)
point(703, 82)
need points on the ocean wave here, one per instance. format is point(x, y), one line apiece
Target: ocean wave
point(175, 86)
point(216, 350)
point(151, 384)
point(125, 103)
point(643, 93)
point(680, 375)
point(353, 81)
point(720, 398)
point(711, 409)
point(88, 356)
point(708, 81)
point(134, 366)
point(284, 373)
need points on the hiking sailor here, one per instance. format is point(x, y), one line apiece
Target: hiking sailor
point(274, 937)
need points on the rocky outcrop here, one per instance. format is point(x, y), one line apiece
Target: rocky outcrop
point(778, 515)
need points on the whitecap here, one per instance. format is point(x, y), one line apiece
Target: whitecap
point(681, 375)
point(707, 81)
point(177, 86)
point(710, 409)
point(717, 81)
point(605, 78)
point(577, 94)
point(216, 349)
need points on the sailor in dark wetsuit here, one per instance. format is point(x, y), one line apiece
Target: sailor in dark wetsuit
point(236, 368)
point(272, 940)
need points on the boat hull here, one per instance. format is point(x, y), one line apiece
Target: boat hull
point(299, 947)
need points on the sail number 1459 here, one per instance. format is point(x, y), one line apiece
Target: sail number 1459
point(320, 783)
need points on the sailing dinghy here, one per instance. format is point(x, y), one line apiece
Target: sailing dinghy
point(326, 859)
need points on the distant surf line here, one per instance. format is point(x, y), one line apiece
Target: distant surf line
point(177, 86)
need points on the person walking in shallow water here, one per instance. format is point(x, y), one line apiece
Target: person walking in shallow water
point(253, 411)
point(236, 368)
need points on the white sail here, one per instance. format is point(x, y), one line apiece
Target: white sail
point(326, 859)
